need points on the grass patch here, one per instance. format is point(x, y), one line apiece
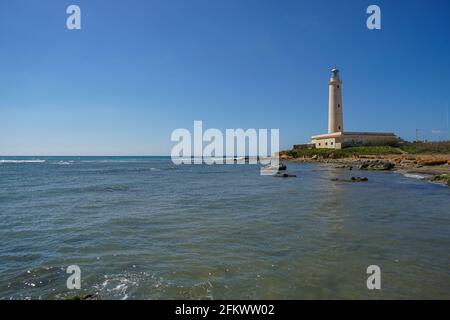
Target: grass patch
point(441, 147)
point(441, 178)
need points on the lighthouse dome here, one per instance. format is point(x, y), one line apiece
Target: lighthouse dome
point(335, 74)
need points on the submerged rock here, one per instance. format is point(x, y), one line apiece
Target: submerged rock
point(284, 175)
point(352, 179)
point(359, 179)
point(85, 297)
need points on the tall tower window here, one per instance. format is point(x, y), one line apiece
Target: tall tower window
point(339, 105)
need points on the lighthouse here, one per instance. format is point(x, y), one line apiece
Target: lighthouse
point(336, 138)
point(335, 118)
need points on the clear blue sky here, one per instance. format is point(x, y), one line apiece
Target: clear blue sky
point(140, 69)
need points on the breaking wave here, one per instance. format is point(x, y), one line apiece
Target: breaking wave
point(414, 176)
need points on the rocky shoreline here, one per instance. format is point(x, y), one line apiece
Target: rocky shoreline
point(434, 168)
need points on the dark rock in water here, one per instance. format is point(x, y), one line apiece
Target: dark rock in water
point(284, 175)
point(350, 168)
point(387, 166)
point(359, 179)
point(85, 297)
point(334, 179)
point(363, 166)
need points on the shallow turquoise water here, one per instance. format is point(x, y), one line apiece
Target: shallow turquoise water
point(143, 228)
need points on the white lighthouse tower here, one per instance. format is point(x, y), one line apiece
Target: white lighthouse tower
point(336, 138)
point(335, 118)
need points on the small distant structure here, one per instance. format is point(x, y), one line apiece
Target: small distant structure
point(336, 138)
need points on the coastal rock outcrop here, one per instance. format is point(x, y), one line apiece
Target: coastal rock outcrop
point(434, 162)
point(285, 157)
point(85, 297)
point(345, 166)
point(441, 178)
point(376, 165)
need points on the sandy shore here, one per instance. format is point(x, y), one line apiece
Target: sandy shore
point(435, 168)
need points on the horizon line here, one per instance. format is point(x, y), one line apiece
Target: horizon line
point(78, 155)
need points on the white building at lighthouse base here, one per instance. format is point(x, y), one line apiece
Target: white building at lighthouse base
point(339, 140)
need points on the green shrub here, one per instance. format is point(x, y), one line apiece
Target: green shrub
point(441, 147)
point(343, 153)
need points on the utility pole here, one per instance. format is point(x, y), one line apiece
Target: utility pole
point(417, 135)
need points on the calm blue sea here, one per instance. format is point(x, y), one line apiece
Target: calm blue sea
point(144, 228)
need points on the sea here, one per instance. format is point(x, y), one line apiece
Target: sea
point(145, 228)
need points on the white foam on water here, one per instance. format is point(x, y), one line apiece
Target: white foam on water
point(414, 176)
point(22, 161)
point(64, 163)
point(119, 285)
point(114, 161)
